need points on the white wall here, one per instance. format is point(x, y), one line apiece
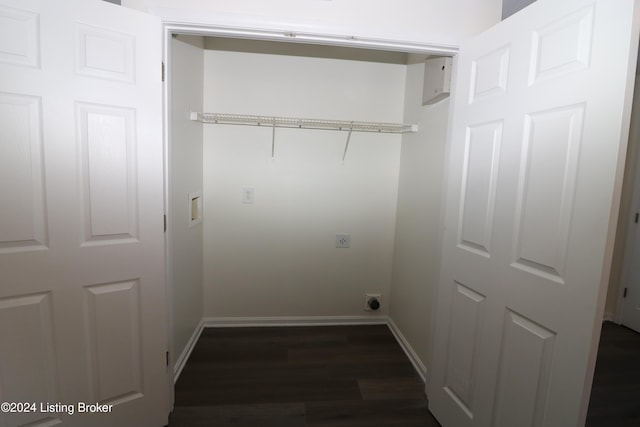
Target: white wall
point(425, 21)
point(627, 203)
point(277, 256)
point(417, 244)
point(186, 177)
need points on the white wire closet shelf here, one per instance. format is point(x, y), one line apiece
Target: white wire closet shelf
point(303, 123)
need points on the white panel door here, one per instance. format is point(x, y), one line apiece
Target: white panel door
point(82, 294)
point(540, 123)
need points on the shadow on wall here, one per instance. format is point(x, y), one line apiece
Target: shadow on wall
point(509, 7)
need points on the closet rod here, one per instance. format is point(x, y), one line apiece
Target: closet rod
point(300, 123)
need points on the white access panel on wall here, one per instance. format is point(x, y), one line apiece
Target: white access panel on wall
point(437, 80)
point(82, 301)
point(540, 125)
point(195, 208)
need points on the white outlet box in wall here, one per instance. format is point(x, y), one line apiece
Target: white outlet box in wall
point(247, 195)
point(195, 208)
point(343, 240)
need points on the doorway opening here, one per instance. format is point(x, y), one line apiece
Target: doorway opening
point(304, 186)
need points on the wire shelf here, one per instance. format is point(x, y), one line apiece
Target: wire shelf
point(302, 123)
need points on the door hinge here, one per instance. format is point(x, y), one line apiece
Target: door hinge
point(162, 71)
point(637, 215)
point(167, 355)
point(624, 294)
point(165, 223)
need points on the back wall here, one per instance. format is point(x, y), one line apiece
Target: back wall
point(276, 257)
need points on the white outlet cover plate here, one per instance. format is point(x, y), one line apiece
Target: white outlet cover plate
point(247, 195)
point(343, 240)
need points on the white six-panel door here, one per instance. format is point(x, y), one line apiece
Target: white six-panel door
point(82, 297)
point(540, 122)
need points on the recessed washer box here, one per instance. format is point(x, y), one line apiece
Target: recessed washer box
point(195, 208)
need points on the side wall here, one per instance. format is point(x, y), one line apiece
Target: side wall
point(417, 245)
point(276, 257)
point(625, 219)
point(186, 177)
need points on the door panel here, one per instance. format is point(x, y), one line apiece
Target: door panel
point(521, 394)
point(19, 32)
point(480, 178)
point(116, 356)
point(489, 74)
point(562, 47)
point(21, 163)
point(105, 54)
point(464, 335)
point(108, 171)
point(548, 169)
point(539, 128)
point(30, 352)
point(82, 301)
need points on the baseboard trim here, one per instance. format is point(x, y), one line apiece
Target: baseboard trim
point(413, 357)
point(184, 356)
point(228, 322)
point(608, 317)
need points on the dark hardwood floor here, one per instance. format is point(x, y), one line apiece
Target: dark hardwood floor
point(615, 395)
point(352, 376)
point(323, 376)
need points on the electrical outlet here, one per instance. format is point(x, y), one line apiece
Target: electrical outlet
point(343, 240)
point(247, 195)
point(372, 302)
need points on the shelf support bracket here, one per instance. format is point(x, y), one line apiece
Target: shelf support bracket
point(273, 140)
point(346, 146)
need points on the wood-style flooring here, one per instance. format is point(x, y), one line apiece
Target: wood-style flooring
point(615, 394)
point(321, 376)
point(352, 376)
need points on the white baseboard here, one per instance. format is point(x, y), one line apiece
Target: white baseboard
point(608, 317)
point(184, 356)
point(413, 357)
point(227, 322)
